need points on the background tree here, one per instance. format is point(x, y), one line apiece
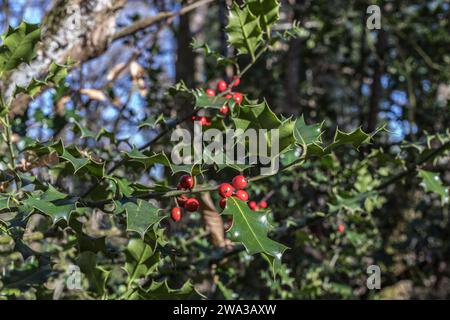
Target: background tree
point(338, 212)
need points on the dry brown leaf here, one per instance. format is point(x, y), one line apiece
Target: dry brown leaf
point(94, 94)
point(136, 70)
point(213, 221)
point(117, 71)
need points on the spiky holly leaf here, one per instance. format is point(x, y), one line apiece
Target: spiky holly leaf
point(251, 228)
point(4, 202)
point(204, 101)
point(144, 159)
point(259, 116)
point(141, 216)
point(307, 134)
point(353, 203)
point(97, 276)
point(122, 186)
point(141, 260)
point(432, 183)
point(355, 138)
point(83, 131)
point(162, 291)
point(244, 30)
point(56, 75)
point(52, 203)
point(18, 45)
point(268, 12)
point(152, 121)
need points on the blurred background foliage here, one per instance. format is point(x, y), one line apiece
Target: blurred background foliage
point(337, 71)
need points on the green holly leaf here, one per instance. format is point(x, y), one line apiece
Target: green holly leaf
point(307, 134)
point(268, 12)
point(432, 183)
point(251, 228)
point(97, 276)
point(353, 203)
point(244, 30)
point(255, 116)
point(122, 186)
point(152, 121)
point(83, 131)
point(204, 101)
point(18, 45)
point(4, 202)
point(141, 260)
point(162, 291)
point(56, 75)
point(52, 209)
point(260, 117)
point(355, 138)
point(144, 159)
point(141, 216)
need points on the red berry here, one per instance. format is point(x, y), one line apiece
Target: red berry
point(179, 186)
point(228, 96)
point(223, 203)
point(204, 121)
point(223, 110)
point(242, 194)
point(191, 204)
point(237, 97)
point(182, 200)
point(187, 181)
point(226, 190)
point(175, 214)
point(236, 81)
point(239, 182)
point(193, 118)
point(210, 92)
point(252, 205)
point(222, 86)
point(341, 228)
point(262, 204)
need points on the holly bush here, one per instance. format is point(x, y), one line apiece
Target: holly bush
point(90, 215)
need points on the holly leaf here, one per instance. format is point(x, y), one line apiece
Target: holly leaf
point(353, 203)
point(355, 138)
point(251, 230)
point(260, 117)
point(56, 212)
point(244, 30)
point(141, 216)
point(307, 134)
point(141, 260)
point(202, 100)
point(432, 183)
point(18, 45)
point(56, 75)
point(97, 276)
point(152, 121)
point(146, 160)
point(162, 291)
point(268, 12)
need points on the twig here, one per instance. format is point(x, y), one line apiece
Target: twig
point(147, 22)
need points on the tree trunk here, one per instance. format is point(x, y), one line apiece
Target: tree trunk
point(376, 90)
point(73, 29)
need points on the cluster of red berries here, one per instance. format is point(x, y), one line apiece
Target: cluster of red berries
point(236, 188)
point(257, 206)
point(187, 182)
point(222, 86)
point(204, 121)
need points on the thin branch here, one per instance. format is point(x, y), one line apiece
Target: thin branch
point(147, 22)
